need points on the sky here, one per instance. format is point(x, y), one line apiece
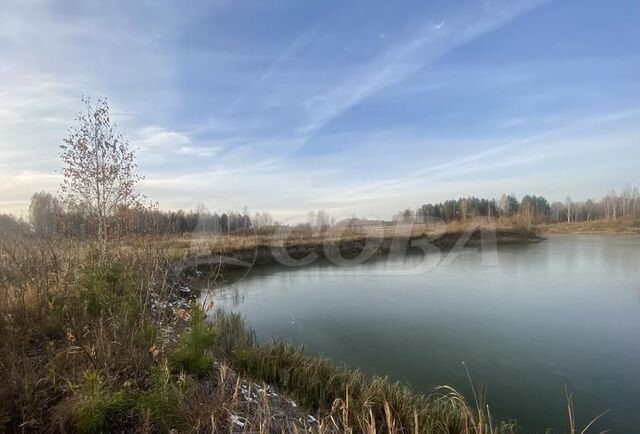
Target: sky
point(356, 107)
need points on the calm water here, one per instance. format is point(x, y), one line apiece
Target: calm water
point(562, 312)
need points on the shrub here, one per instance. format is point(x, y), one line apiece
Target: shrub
point(106, 287)
point(95, 405)
point(160, 403)
point(192, 353)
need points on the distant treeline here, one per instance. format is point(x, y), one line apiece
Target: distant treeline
point(49, 216)
point(530, 209)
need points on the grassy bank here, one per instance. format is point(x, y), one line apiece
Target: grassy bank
point(619, 226)
point(105, 343)
point(268, 248)
point(357, 403)
point(442, 234)
point(93, 343)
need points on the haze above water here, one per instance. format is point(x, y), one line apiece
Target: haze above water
point(562, 312)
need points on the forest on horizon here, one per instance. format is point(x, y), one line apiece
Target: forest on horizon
point(49, 215)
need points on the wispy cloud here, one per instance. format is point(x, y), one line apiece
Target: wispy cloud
point(399, 62)
point(158, 144)
point(446, 103)
point(199, 151)
point(160, 139)
point(274, 67)
point(573, 141)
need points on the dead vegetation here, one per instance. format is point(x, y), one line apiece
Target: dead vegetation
point(611, 226)
point(92, 343)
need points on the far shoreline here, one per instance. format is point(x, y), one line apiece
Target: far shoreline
point(594, 227)
point(265, 253)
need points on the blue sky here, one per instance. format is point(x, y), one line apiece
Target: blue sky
point(359, 107)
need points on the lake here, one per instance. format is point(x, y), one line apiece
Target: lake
point(527, 322)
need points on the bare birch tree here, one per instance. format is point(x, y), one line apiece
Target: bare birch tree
point(100, 171)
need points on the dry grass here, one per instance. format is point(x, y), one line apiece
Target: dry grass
point(619, 226)
point(199, 244)
point(80, 351)
point(49, 337)
point(357, 403)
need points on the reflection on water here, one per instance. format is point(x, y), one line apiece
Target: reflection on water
point(562, 312)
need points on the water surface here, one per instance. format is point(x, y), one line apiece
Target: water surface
point(562, 312)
